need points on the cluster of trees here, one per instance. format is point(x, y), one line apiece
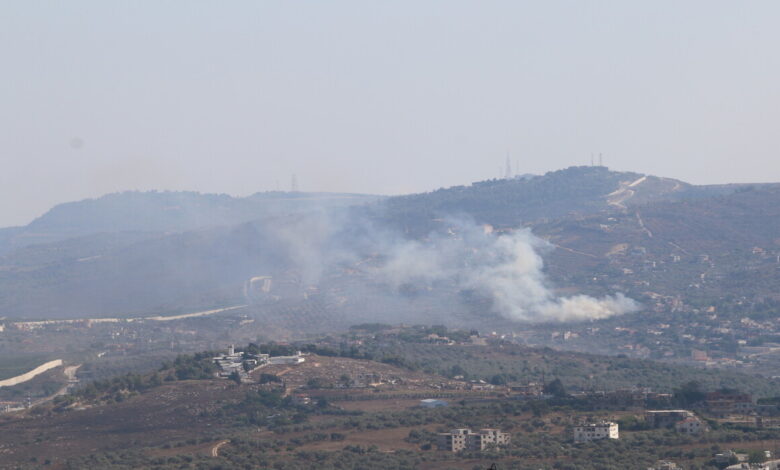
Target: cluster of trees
point(533, 451)
point(110, 390)
point(293, 431)
point(191, 367)
point(119, 388)
point(270, 408)
point(515, 363)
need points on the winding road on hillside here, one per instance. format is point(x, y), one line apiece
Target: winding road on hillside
point(70, 374)
point(215, 449)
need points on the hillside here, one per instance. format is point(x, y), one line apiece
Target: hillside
point(179, 416)
point(161, 212)
point(147, 253)
point(572, 192)
point(724, 246)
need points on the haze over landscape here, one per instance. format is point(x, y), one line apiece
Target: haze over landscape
point(377, 98)
point(389, 235)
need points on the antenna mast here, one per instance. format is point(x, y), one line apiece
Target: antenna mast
point(294, 184)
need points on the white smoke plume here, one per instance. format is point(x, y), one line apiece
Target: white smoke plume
point(506, 268)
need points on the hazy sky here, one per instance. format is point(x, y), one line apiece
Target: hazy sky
point(377, 97)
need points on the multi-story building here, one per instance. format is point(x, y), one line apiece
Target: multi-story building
point(595, 431)
point(665, 418)
point(454, 441)
point(296, 358)
point(723, 403)
point(464, 439)
point(690, 425)
point(486, 438)
point(529, 390)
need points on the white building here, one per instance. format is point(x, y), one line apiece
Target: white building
point(462, 439)
point(690, 425)
point(769, 465)
point(297, 358)
point(595, 431)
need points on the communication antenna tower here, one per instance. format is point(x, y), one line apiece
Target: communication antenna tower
point(601, 160)
point(508, 168)
point(294, 184)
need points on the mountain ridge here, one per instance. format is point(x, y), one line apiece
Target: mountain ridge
point(581, 210)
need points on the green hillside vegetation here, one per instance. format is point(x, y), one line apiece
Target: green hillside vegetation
point(174, 417)
point(133, 253)
point(11, 366)
point(503, 362)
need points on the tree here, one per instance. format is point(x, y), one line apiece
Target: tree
point(316, 382)
point(555, 388)
point(498, 379)
point(756, 456)
point(689, 393)
point(235, 377)
point(345, 380)
point(268, 378)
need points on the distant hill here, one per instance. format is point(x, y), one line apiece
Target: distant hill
point(167, 211)
point(149, 253)
point(571, 192)
point(704, 248)
point(180, 413)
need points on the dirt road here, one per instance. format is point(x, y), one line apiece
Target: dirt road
point(215, 449)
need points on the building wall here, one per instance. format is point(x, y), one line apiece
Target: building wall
point(666, 418)
point(589, 433)
point(462, 439)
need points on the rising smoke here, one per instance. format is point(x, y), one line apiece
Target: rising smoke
point(506, 268)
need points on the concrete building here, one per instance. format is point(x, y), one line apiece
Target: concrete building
point(595, 431)
point(6, 406)
point(526, 390)
point(666, 418)
point(690, 425)
point(296, 358)
point(722, 403)
point(301, 399)
point(729, 456)
point(769, 465)
point(454, 441)
point(487, 438)
point(458, 440)
point(682, 421)
point(238, 362)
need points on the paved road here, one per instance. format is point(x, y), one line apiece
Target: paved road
point(70, 373)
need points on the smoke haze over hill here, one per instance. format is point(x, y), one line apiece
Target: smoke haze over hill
point(504, 268)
